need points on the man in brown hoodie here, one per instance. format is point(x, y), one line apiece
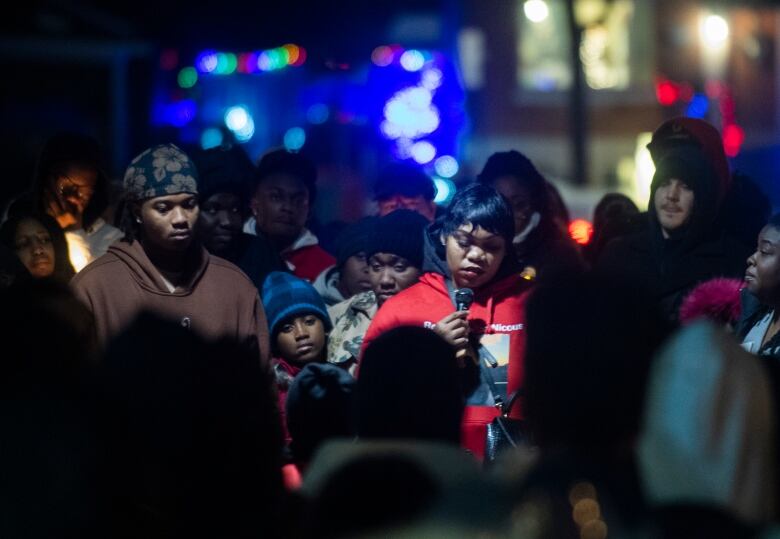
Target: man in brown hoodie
point(160, 267)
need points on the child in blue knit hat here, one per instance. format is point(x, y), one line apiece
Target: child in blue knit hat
point(298, 323)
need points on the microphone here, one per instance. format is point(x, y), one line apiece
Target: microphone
point(464, 297)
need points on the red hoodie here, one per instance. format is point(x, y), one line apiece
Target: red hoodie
point(498, 308)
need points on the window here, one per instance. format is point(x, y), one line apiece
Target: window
point(615, 38)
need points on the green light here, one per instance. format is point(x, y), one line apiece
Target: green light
point(277, 61)
point(231, 63)
point(284, 56)
point(188, 77)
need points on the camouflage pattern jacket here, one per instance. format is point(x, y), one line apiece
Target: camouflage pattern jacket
point(351, 319)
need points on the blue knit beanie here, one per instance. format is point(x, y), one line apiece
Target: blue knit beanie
point(285, 295)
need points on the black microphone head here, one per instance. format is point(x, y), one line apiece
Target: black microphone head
point(464, 297)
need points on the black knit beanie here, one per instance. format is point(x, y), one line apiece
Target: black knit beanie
point(400, 233)
point(353, 239)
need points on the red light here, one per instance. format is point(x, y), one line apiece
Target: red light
point(727, 109)
point(581, 231)
point(247, 62)
point(714, 89)
point(169, 59)
point(666, 92)
point(733, 137)
point(382, 56)
point(686, 92)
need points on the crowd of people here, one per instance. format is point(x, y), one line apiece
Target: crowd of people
point(187, 357)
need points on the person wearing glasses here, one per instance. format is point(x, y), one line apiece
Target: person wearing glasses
point(71, 186)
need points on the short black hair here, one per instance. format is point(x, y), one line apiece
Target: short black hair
point(224, 169)
point(482, 206)
point(403, 179)
point(295, 164)
point(517, 165)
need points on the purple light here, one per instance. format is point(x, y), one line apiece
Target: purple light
point(382, 56)
point(207, 62)
point(431, 79)
point(265, 62)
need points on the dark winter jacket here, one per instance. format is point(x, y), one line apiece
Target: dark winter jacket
point(699, 250)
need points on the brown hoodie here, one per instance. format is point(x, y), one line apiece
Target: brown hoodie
point(218, 300)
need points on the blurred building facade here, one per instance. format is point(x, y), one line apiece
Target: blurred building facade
point(641, 62)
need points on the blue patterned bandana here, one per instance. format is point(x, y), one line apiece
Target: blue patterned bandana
point(160, 171)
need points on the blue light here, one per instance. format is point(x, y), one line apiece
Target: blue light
point(420, 97)
point(177, 114)
point(698, 106)
point(207, 62)
point(390, 130)
point(247, 132)
point(446, 166)
point(403, 148)
point(431, 79)
point(237, 118)
point(211, 138)
point(423, 152)
point(294, 139)
point(318, 113)
point(411, 113)
point(240, 122)
point(408, 107)
point(445, 190)
point(184, 112)
point(412, 60)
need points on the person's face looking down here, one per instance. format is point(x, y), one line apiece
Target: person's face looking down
point(519, 198)
point(168, 222)
point(34, 248)
point(220, 221)
point(70, 194)
point(474, 255)
point(423, 206)
point(389, 274)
